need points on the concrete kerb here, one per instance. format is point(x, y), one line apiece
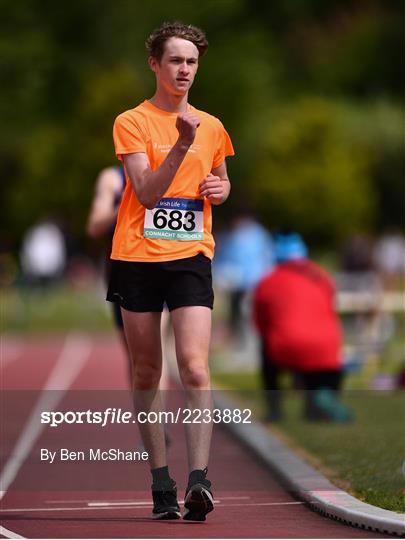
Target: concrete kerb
point(308, 484)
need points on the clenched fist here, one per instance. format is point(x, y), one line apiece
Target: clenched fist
point(187, 125)
point(212, 187)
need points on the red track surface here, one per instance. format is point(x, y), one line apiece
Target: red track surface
point(250, 502)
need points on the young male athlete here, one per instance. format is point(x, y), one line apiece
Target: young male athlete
point(174, 158)
point(101, 222)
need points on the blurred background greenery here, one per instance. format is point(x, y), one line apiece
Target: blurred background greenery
point(311, 91)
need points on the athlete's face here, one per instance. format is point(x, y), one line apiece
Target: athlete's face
point(177, 68)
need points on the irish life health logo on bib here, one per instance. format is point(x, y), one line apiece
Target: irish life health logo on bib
point(175, 219)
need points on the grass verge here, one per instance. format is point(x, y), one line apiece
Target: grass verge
point(59, 309)
point(365, 457)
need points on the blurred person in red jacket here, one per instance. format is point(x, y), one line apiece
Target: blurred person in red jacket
point(294, 313)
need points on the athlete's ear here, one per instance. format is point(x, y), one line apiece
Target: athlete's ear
point(152, 61)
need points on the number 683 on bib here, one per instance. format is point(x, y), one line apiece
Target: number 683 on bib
point(175, 219)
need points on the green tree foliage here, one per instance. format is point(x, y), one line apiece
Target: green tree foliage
point(66, 73)
point(379, 127)
point(337, 46)
point(311, 177)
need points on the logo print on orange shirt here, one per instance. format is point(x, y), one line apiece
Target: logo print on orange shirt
point(165, 148)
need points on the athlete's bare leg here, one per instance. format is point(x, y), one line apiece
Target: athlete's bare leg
point(165, 326)
point(192, 331)
point(142, 331)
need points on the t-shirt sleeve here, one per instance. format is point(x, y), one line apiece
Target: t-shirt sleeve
point(128, 136)
point(224, 146)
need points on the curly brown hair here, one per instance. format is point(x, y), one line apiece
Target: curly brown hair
point(155, 42)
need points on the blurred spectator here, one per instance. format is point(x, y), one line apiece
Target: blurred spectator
point(293, 309)
point(358, 279)
point(357, 269)
point(244, 255)
point(43, 253)
point(389, 258)
point(357, 254)
point(110, 185)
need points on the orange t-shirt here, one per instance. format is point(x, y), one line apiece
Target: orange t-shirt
point(180, 224)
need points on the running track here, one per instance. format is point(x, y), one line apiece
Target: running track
point(75, 500)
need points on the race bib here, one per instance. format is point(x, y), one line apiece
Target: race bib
point(175, 219)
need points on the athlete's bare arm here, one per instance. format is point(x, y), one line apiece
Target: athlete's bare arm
point(216, 185)
point(103, 214)
point(150, 186)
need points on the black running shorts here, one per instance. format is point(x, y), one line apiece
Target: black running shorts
point(146, 286)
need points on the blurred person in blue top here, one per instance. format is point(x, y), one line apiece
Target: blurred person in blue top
point(244, 254)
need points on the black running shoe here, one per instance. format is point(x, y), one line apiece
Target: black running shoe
point(199, 500)
point(165, 505)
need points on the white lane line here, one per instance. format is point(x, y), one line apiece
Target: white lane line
point(106, 504)
point(69, 364)
point(92, 502)
point(9, 534)
point(77, 501)
point(67, 509)
point(234, 498)
point(129, 503)
point(265, 504)
point(128, 507)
